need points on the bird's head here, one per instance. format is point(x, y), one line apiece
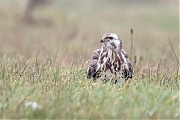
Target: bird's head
point(111, 40)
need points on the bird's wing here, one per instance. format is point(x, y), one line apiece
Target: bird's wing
point(124, 53)
point(128, 69)
point(93, 64)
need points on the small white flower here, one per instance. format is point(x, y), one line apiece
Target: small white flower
point(28, 104)
point(120, 97)
point(34, 105)
point(150, 112)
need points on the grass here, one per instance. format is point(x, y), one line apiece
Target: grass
point(42, 67)
point(68, 94)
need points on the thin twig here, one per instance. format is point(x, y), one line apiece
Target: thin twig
point(161, 59)
point(173, 51)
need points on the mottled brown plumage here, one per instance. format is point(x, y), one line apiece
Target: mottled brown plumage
point(110, 62)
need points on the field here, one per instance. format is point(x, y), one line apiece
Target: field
point(43, 61)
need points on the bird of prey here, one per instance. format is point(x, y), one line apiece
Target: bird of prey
point(110, 62)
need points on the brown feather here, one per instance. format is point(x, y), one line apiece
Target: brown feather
point(111, 61)
point(92, 64)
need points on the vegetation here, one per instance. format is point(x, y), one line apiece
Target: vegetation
point(42, 64)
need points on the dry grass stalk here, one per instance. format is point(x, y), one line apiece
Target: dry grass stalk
point(174, 54)
point(131, 43)
point(135, 60)
point(160, 61)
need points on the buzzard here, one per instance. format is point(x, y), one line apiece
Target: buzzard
point(110, 62)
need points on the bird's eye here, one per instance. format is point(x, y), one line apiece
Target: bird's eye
point(110, 38)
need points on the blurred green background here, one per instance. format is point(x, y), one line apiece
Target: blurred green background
point(70, 30)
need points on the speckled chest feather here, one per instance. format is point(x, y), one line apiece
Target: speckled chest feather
point(111, 64)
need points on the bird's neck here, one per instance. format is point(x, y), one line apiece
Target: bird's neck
point(109, 52)
point(110, 48)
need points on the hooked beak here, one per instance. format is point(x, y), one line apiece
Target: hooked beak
point(101, 41)
point(104, 40)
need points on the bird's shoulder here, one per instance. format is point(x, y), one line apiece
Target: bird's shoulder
point(93, 64)
point(93, 61)
point(124, 53)
point(96, 54)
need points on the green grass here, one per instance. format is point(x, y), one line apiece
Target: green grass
point(44, 66)
point(66, 93)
